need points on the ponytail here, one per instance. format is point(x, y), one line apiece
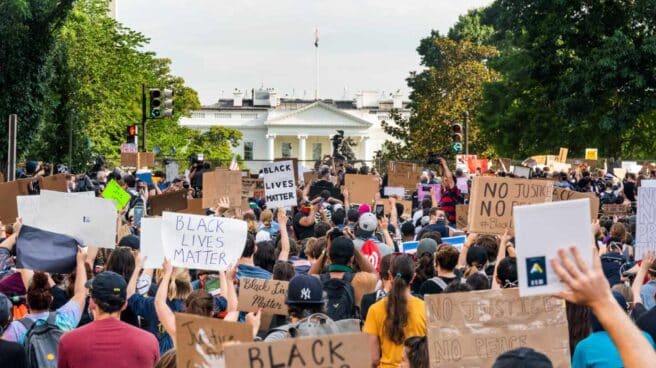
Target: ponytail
point(474, 268)
point(397, 303)
point(39, 296)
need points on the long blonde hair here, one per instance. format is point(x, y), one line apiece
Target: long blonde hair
point(179, 285)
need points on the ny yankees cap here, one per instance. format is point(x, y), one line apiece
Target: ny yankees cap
point(304, 289)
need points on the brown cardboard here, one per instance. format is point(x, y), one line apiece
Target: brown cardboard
point(252, 187)
point(8, 210)
point(560, 194)
point(129, 159)
point(194, 207)
point(562, 155)
point(403, 174)
point(347, 350)
point(266, 294)
point(503, 164)
point(407, 206)
point(221, 183)
point(54, 182)
point(472, 329)
point(462, 213)
point(492, 199)
point(146, 159)
point(194, 333)
point(362, 188)
point(309, 177)
point(169, 201)
point(615, 209)
point(2, 178)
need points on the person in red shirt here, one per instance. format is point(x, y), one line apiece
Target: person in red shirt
point(108, 342)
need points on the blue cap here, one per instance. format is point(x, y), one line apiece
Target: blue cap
point(304, 289)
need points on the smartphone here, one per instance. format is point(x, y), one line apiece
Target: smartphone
point(380, 211)
point(138, 214)
point(426, 189)
point(212, 284)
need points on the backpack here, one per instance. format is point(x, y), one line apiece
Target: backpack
point(437, 280)
point(318, 324)
point(610, 198)
point(41, 341)
point(340, 303)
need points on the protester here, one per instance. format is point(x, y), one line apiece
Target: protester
point(12, 355)
point(522, 358)
point(415, 353)
point(446, 260)
point(386, 285)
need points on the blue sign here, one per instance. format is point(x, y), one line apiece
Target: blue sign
point(457, 147)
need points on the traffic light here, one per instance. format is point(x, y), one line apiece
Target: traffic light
point(155, 102)
point(167, 103)
point(132, 134)
point(457, 136)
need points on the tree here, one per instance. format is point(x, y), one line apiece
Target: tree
point(451, 85)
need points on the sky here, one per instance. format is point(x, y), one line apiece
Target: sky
point(219, 45)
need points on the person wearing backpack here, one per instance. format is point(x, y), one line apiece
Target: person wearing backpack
point(446, 260)
point(40, 331)
point(12, 355)
point(306, 304)
point(344, 287)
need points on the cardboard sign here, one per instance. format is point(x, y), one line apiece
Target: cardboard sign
point(616, 209)
point(252, 187)
point(202, 242)
point(423, 191)
point(117, 194)
point(279, 184)
point(169, 201)
point(462, 216)
point(146, 159)
point(362, 188)
point(472, 329)
point(347, 350)
point(260, 293)
point(397, 191)
point(309, 177)
point(522, 172)
point(194, 207)
point(55, 183)
point(478, 164)
point(407, 206)
point(46, 251)
point(646, 221)
point(562, 155)
point(567, 224)
point(591, 154)
point(620, 174)
point(199, 341)
point(560, 194)
point(221, 183)
point(503, 164)
point(492, 200)
point(130, 159)
point(28, 208)
point(403, 174)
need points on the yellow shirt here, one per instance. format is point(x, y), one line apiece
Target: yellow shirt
point(391, 353)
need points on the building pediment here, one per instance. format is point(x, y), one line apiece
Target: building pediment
point(318, 114)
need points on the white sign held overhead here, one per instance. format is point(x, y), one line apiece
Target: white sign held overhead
point(279, 185)
point(540, 230)
point(646, 221)
point(390, 191)
point(91, 220)
point(151, 242)
point(202, 242)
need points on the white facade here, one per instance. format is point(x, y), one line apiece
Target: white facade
point(274, 127)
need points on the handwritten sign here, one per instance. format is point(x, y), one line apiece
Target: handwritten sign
point(522, 172)
point(202, 242)
point(266, 294)
point(560, 194)
point(347, 350)
point(219, 184)
point(397, 191)
point(117, 194)
point(403, 174)
point(616, 209)
point(472, 329)
point(362, 188)
point(492, 200)
point(646, 221)
point(199, 341)
point(279, 184)
point(462, 215)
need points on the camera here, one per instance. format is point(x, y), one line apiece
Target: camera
point(434, 159)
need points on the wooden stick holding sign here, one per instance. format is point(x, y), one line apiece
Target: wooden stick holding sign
point(279, 184)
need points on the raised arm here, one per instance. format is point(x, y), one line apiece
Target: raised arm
point(462, 258)
point(309, 219)
point(501, 254)
point(636, 288)
point(284, 236)
point(227, 280)
point(164, 313)
point(80, 290)
point(138, 265)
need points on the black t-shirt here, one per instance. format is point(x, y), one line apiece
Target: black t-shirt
point(12, 355)
point(431, 287)
point(647, 322)
point(440, 228)
point(630, 191)
point(302, 232)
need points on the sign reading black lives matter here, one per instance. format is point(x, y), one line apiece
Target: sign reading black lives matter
point(279, 185)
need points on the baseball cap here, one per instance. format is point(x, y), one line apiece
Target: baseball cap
point(426, 245)
point(304, 289)
point(131, 241)
point(522, 357)
point(341, 248)
point(109, 289)
point(368, 222)
point(364, 208)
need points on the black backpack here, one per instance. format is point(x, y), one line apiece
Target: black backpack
point(340, 297)
point(41, 341)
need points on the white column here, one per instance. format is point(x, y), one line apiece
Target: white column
point(301, 148)
point(272, 150)
point(365, 148)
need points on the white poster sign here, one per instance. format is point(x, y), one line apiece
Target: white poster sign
point(28, 209)
point(151, 242)
point(398, 191)
point(172, 171)
point(522, 172)
point(279, 185)
point(647, 184)
point(646, 221)
point(202, 242)
point(91, 220)
point(540, 230)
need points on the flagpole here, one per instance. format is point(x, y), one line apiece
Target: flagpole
point(316, 64)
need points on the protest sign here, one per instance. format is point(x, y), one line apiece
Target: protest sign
point(194, 207)
point(407, 206)
point(561, 194)
point(219, 184)
point(172, 170)
point(117, 194)
point(41, 250)
point(503, 164)
point(309, 177)
point(522, 172)
point(620, 174)
point(462, 184)
point(646, 221)
point(170, 201)
point(145, 176)
point(462, 216)
point(252, 187)
point(492, 200)
point(151, 242)
point(615, 209)
point(56, 183)
point(362, 188)
point(279, 184)
point(631, 166)
point(562, 155)
point(540, 230)
point(648, 183)
point(345, 350)
point(28, 208)
point(129, 148)
point(199, 339)
point(202, 242)
point(397, 191)
point(146, 159)
point(423, 191)
point(540, 160)
point(403, 174)
point(472, 329)
point(559, 167)
point(294, 166)
point(456, 241)
point(90, 220)
point(269, 295)
point(129, 159)
point(591, 154)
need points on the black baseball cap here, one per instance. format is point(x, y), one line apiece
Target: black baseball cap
point(522, 358)
point(304, 289)
point(108, 289)
point(131, 241)
point(341, 248)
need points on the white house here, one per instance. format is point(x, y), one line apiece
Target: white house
point(275, 127)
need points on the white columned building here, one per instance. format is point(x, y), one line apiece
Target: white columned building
point(274, 127)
